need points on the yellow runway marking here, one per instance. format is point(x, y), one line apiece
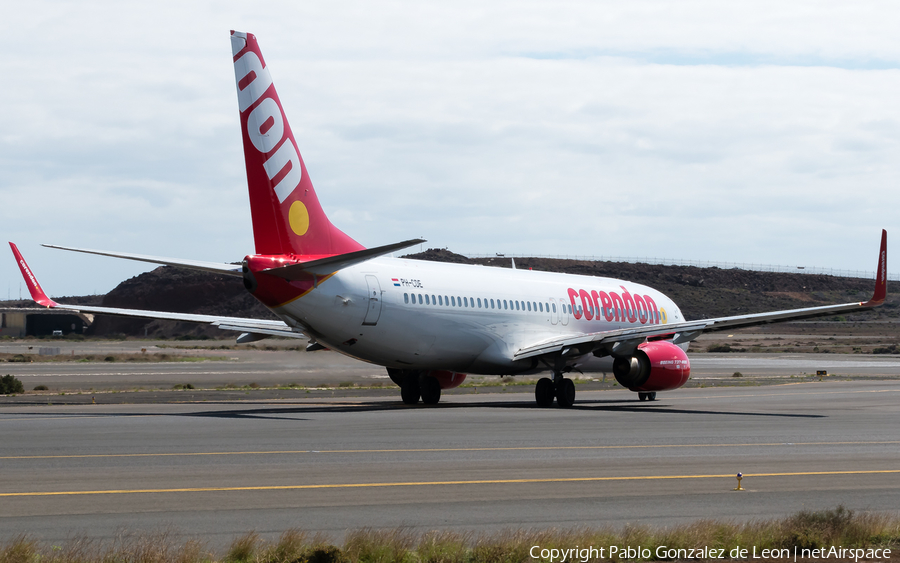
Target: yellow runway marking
point(437, 483)
point(439, 450)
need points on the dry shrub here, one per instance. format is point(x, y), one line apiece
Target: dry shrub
point(838, 526)
point(380, 546)
point(295, 546)
point(290, 547)
point(154, 547)
point(444, 547)
point(325, 554)
point(242, 548)
point(812, 530)
point(130, 547)
point(20, 549)
point(507, 546)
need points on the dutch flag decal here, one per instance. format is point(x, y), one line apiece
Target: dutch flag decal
point(396, 282)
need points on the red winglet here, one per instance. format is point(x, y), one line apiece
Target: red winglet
point(33, 286)
point(880, 274)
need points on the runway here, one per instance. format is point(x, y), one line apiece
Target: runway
point(280, 366)
point(482, 462)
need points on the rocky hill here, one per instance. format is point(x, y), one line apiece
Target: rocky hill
point(701, 292)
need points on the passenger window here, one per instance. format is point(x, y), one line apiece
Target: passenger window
point(420, 299)
point(492, 303)
point(529, 306)
point(466, 301)
point(479, 302)
point(459, 302)
point(541, 307)
point(406, 298)
point(440, 300)
point(427, 302)
point(453, 301)
point(534, 305)
point(517, 305)
point(554, 307)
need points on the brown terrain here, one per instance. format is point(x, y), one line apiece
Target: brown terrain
point(700, 292)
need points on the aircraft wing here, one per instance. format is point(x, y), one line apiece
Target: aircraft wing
point(625, 340)
point(244, 325)
point(214, 267)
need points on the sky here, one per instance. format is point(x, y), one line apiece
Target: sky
point(751, 132)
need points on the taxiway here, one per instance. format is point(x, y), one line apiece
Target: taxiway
point(478, 463)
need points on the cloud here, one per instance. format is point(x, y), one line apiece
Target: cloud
point(749, 132)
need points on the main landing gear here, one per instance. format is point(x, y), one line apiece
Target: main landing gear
point(651, 396)
point(560, 388)
point(416, 384)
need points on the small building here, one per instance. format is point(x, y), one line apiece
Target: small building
point(34, 321)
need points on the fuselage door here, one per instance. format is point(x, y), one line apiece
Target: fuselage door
point(374, 308)
point(564, 312)
point(554, 311)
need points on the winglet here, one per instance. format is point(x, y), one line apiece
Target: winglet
point(880, 275)
point(33, 286)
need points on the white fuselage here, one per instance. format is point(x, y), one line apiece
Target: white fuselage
point(413, 314)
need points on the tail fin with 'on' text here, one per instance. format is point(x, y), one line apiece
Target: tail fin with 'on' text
point(287, 216)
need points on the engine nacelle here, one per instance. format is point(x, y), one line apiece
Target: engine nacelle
point(655, 366)
point(447, 379)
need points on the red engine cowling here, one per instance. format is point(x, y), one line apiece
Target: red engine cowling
point(448, 379)
point(655, 366)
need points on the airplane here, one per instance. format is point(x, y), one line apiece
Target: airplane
point(430, 324)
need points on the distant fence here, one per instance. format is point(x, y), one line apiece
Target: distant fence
point(704, 264)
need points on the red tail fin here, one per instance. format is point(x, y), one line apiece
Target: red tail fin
point(287, 217)
point(880, 293)
point(33, 286)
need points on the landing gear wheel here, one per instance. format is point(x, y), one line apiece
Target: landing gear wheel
point(430, 389)
point(409, 390)
point(565, 393)
point(651, 396)
point(643, 396)
point(544, 392)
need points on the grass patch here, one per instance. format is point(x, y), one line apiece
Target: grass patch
point(803, 530)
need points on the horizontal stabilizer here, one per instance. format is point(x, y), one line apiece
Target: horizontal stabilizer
point(213, 267)
point(331, 264)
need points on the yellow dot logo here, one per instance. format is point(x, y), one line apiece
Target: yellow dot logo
point(662, 316)
point(298, 217)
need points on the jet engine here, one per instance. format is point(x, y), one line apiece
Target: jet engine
point(446, 379)
point(654, 366)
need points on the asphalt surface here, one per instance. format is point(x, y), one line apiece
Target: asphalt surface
point(480, 463)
